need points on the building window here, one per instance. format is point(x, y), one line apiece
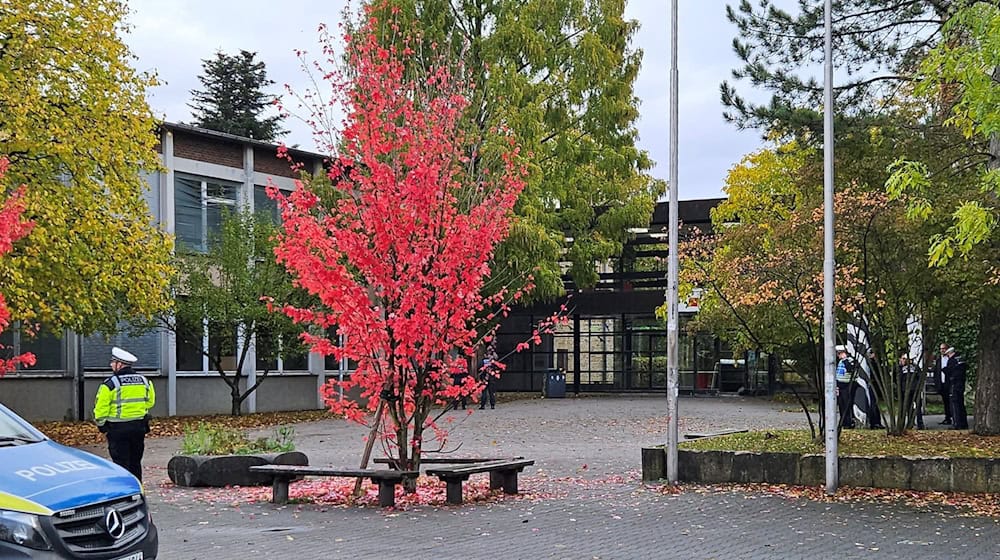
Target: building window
point(275, 355)
point(192, 339)
point(331, 363)
point(198, 207)
point(262, 204)
point(49, 350)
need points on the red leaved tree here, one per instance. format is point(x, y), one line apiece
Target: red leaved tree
point(12, 228)
point(397, 253)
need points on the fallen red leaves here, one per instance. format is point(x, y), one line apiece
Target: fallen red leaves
point(85, 433)
point(337, 492)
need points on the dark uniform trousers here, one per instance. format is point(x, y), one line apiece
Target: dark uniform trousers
point(955, 374)
point(959, 416)
point(126, 444)
point(845, 402)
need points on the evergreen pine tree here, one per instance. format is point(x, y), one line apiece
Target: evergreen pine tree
point(233, 99)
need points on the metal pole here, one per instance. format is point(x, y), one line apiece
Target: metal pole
point(672, 295)
point(829, 335)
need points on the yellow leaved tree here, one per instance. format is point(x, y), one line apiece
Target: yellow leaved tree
point(76, 128)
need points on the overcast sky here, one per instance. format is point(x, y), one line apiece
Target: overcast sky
point(173, 36)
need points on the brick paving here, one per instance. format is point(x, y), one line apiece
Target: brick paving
point(601, 512)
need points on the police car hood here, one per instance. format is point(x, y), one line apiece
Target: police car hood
point(56, 477)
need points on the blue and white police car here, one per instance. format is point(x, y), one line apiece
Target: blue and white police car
point(61, 503)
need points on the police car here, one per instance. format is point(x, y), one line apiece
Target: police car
point(61, 503)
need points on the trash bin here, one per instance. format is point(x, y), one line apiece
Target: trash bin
point(554, 386)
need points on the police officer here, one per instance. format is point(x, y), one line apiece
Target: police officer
point(955, 372)
point(122, 411)
point(845, 387)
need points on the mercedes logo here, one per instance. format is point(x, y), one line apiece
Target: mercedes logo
point(114, 524)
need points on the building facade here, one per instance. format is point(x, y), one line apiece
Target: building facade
point(613, 341)
point(204, 172)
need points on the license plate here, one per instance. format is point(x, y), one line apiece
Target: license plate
point(135, 556)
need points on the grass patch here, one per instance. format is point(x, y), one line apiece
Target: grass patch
point(929, 409)
point(206, 439)
point(856, 442)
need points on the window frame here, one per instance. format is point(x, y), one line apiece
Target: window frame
point(15, 347)
point(205, 201)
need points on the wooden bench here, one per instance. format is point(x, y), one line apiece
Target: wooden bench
point(503, 474)
point(392, 462)
point(283, 474)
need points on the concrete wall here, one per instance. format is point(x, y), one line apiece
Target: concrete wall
point(934, 474)
point(209, 394)
point(287, 392)
point(40, 398)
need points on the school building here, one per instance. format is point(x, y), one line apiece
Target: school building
point(612, 343)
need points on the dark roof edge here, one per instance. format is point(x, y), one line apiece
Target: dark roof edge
point(234, 138)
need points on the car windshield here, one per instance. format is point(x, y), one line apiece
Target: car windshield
point(14, 431)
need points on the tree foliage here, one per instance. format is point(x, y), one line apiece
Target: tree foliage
point(967, 69)
point(912, 68)
point(961, 78)
point(228, 291)
point(559, 77)
point(76, 128)
point(12, 228)
point(398, 258)
point(761, 272)
point(878, 45)
point(762, 269)
point(233, 99)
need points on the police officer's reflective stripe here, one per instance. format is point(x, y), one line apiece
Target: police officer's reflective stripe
point(118, 401)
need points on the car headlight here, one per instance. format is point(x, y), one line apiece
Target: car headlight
point(22, 529)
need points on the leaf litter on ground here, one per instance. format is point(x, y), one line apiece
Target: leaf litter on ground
point(85, 433)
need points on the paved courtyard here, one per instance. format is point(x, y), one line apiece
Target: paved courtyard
point(584, 499)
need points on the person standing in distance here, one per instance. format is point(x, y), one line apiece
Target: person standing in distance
point(943, 383)
point(845, 387)
point(910, 382)
point(955, 372)
point(122, 411)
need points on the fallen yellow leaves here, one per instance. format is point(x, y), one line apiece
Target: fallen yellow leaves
point(932, 443)
point(86, 433)
point(971, 505)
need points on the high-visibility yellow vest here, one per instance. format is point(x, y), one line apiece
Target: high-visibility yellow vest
point(124, 397)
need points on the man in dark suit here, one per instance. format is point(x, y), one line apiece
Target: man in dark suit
point(942, 384)
point(955, 372)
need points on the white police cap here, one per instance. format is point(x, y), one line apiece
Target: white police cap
point(122, 356)
point(840, 348)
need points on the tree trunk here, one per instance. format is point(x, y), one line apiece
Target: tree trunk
point(236, 409)
point(987, 411)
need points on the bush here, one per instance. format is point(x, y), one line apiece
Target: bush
point(206, 439)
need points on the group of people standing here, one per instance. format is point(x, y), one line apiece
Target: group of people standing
point(489, 374)
point(948, 377)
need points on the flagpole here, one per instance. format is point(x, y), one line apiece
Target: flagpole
point(672, 263)
point(829, 335)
